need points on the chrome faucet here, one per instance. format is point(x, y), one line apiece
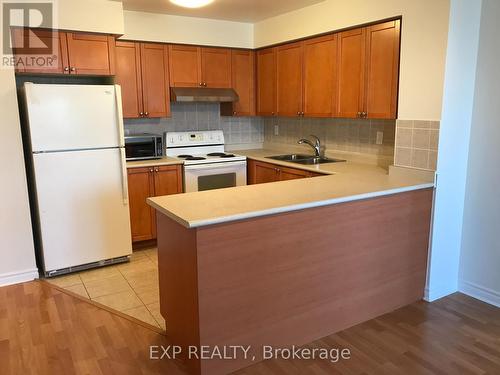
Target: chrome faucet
point(316, 145)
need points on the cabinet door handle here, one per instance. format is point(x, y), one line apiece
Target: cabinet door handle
point(141, 114)
point(157, 170)
point(146, 114)
point(200, 84)
point(66, 68)
point(73, 69)
point(364, 114)
point(204, 84)
point(151, 170)
point(234, 113)
point(359, 114)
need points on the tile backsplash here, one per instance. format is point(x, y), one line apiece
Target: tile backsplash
point(202, 116)
point(346, 135)
point(417, 144)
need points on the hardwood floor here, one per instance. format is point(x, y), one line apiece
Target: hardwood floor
point(44, 330)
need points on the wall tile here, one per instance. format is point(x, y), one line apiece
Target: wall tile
point(404, 137)
point(420, 159)
point(423, 146)
point(432, 160)
point(405, 123)
point(403, 156)
point(421, 139)
point(202, 116)
point(435, 124)
point(434, 140)
point(420, 124)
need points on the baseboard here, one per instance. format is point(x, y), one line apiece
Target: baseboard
point(18, 277)
point(435, 293)
point(480, 292)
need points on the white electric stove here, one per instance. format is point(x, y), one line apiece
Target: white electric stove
point(207, 165)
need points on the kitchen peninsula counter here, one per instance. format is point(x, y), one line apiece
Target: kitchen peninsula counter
point(286, 263)
point(343, 182)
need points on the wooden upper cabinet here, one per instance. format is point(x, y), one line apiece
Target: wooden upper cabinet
point(351, 70)
point(23, 38)
point(142, 72)
point(91, 54)
point(289, 71)
point(140, 188)
point(320, 76)
point(382, 70)
point(216, 67)
point(185, 66)
point(155, 85)
point(128, 76)
point(266, 82)
point(243, 82)
point(76, 53)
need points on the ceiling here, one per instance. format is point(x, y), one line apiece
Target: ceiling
point(232, 10)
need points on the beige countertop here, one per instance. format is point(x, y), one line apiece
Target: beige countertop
point(153, 163)
point(343, 182)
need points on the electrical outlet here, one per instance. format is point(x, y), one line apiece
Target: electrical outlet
point(276, 130)
point(380, 138)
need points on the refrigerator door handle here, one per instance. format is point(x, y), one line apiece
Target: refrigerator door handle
point(123, 158)
point(121, 135)
point(119, 113)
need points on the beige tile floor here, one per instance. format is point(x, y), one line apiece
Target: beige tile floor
point(131, 288)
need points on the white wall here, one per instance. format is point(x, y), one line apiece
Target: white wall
point(101, 16)
point(423, 49)
point(189, 30)
point(480, 259)
point(453, 147)
point(16, 240)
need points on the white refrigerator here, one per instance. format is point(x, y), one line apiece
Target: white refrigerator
point(79, 176)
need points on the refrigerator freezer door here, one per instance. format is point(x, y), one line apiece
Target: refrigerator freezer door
point(84, 215)
point(73, 117)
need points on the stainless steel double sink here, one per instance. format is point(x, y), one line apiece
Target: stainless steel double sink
point(305, 159)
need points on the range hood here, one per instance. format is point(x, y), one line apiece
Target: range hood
point(203, 94)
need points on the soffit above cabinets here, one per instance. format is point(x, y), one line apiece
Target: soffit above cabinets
point(231, 10)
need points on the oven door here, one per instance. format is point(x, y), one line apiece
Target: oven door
point(214, 176)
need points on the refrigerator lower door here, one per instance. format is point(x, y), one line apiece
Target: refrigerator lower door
point(82, 206)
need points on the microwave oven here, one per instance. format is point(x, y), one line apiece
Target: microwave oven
point(143, 146)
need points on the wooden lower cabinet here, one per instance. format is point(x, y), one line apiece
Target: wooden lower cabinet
point(149, 182)
point(260, 172)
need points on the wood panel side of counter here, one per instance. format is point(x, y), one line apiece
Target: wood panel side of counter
point(293, 278)
point(177, 265)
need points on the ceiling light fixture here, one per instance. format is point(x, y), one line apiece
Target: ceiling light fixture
point(191, 3)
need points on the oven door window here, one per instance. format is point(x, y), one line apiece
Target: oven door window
point(216, 181)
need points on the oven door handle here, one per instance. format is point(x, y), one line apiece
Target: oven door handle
point(214, 165)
